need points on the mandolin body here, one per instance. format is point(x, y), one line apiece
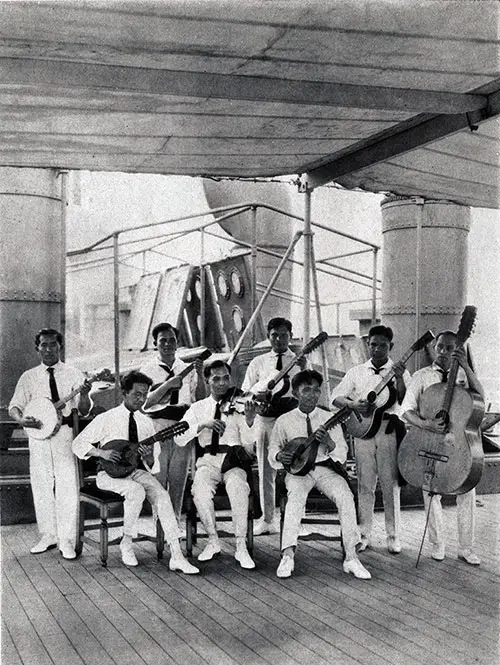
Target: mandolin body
point(445, 463)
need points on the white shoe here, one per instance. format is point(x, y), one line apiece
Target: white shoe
point(393, 545)
point(44, 544)
point(67, 550)
point(262, 527)
point(437, 551)
point(244, 558)
point(182, 564)
point(303, 532)
point(286, 567)
point(469, 557)
point(356, 568)
point(363, 544)
point(128, 556)
point(211, 549)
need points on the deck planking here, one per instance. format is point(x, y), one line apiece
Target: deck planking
point(57, 612)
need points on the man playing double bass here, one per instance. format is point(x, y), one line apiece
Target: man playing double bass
point(446, 350)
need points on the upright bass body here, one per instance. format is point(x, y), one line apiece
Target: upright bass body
point(445, 463)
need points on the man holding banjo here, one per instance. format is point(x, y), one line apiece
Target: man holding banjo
point(53, 470)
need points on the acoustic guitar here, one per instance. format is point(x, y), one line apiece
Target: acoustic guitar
point(449, 462)
point(163, 409)
point(381, 398)
point(49, 413)
point(305, 449)
point(129, 451)
point(274, 402)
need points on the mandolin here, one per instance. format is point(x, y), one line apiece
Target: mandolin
point(129, 451)
point(163, 409)
point(305, 449)
point(49, 413)
point(449, 462)
point(381, 398)
point(274, 402)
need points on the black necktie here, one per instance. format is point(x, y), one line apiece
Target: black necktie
point(54, 393)
point(174, 395)
point(444, 375)
point(308, 424)
point(279, 362)
point(214, 445)
point(376, 370)
point(132, 429)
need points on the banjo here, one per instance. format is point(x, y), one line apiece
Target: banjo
point(49, 413)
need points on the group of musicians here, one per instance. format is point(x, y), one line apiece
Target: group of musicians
point(228, 427)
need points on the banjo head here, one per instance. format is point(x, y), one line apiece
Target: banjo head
point(42, 409)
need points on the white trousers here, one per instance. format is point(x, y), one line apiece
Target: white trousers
point(205, 482)
point(465, 519)
point(54, 483)
point(174, 467)
point(135, 488)
point(332, 486)
point(377, 458)
point(267, 475)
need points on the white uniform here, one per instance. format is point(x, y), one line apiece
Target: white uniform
point(262, 368)
point(174, 460)
point(375, 457)
point(420, 381)
point(113, 424)
point(208, 468)
point(53, 469)
point(330, 483)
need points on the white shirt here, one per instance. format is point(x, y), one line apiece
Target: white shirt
point(187, 392)
point(237, 432)
point(111, 425)
point(263, 368)
point(294, 423)
point(423, 379)
point(360, 380)
point(34, 383)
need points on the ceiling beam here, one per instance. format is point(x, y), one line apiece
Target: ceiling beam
point(402, 138)
point(89, 76)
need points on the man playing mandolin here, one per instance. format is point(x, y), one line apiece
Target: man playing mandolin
point(446, 351)
point(176, 395)
point(53, 472)
point(261, 369)
point(326, 473)
point(127, 422)
point(377, 456)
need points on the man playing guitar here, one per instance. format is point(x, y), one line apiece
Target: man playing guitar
point(445, 347)
point(53, 472)
point(127, 422)
point(377, 456)
point(261, 368)
point(327, 473)
point(164, 370)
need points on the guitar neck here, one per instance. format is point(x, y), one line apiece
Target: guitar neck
point(391, 374)
point(73, 393)
point(283, 372)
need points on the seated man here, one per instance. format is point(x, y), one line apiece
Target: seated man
point(327, 474)
point(227, 443)
point(127, 422)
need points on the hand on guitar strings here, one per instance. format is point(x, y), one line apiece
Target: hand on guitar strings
point(285, 457)
point(146, 453)
point(362, 405)
point(109, 455)
point(31, 422)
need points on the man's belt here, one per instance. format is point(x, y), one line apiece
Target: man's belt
point(221, 449)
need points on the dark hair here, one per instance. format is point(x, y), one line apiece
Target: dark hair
point(215, 365)
point(277, 322)
point(127, 381)
point(451, 333)
point(163, 326)
point(385, 331)
point(306, 376)
point(49, 331)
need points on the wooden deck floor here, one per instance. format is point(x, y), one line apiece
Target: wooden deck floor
point(57, 612)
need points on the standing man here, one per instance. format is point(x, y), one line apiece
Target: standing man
point(174, 460)
point(227, 443)
point(376, 457)
point(327, 472)
point(445, 346)
point(53, 471)
point(260, 370)
point(126, 422)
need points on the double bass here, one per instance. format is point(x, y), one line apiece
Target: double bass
point(450, 462)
